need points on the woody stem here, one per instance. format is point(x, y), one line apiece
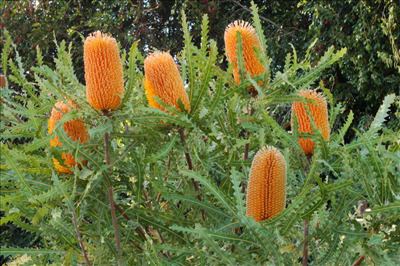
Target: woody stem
point(187, 156)
point(110, 194)
point(79, 237)
point(358, 261)
point(190, 166)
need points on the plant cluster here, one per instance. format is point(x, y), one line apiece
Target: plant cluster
point(154, 168)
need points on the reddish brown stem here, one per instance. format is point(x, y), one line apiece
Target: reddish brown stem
point(187, 154)
point(190, 167)
point(121, 211)
point(358, 261)
point(188, 157)
point(110, 194)
point(246, 148)
point(79, 237)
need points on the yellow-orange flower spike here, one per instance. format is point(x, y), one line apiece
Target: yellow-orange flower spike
point(318, 109)
point(266, 191)
point(75, 129)
point(103, 72)
point(250, 42)
point(162, 79)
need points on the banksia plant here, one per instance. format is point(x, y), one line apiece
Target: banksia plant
point(75, 129)
point(318, 109)
point(250, 42)
point(266, 191)
point(162, 79)
point(103, 72)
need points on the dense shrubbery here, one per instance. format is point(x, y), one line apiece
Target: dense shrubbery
point(179, 174)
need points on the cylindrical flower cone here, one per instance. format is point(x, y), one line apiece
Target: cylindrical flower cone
point(250, 42)
point(162, 79)
point(103, 72)
point(75, 129)
point(266, 190)
point(318, 110)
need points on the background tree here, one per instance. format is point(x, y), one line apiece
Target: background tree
point(368, 29)
point(360, 81)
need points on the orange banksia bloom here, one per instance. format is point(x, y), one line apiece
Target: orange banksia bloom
point(250, 42)
point(162, 79)
point(103, 72)
point(75, 129)
point(266, 191)
point(318, 109)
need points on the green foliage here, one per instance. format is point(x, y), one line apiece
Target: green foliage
point(348, 191)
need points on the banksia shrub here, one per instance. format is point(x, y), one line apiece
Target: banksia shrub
point(266, 191)
point(75, 129)
point(318, 109)
point(162, 79)
point(250, 42)
point(103, 72)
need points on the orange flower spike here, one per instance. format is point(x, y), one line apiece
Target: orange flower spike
point(75, 129)
point(250, 42)
point(162, 79)
point(266, 191)
point(319, 112)
point(103, 72)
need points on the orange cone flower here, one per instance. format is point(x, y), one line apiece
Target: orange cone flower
point(162, 79)
point(266, 191)
point(103, 72)
point(75, 129)
point(319, 112)
point(250, 42)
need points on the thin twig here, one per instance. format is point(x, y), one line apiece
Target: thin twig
point(305, 246)
point(158, 197)
point(140, 230)
point(121, 211)
point(188, 157)
point(190, 167)
point(249, 10)
point(250, 111)
point(79, 237)
point(187, 154)
point(246, 147)
point(110, 194)
point(358, 261)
